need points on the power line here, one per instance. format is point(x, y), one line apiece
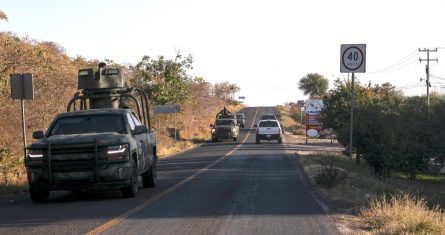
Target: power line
point(397, 65)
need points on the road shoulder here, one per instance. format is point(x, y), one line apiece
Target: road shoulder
point(340, 212)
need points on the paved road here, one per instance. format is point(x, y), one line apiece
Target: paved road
point(217, 188)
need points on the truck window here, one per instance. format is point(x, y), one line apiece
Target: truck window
point(136, 120)
point(88, 124)
point(268, 124)
point(130, 121)
point(224, 122)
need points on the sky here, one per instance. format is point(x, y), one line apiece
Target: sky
point(265, 47)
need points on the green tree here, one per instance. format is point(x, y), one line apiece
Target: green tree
point(165, 80)
point(314, 84)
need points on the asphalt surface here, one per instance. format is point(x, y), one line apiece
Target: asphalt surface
point(216, 188)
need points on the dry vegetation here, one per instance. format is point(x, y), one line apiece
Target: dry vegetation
point(393, 206)
point(291, 116)
point(55, 78)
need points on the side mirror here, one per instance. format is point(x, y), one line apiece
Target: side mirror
point(38, 135)
point(139, 130)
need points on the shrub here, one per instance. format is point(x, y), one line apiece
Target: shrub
point(329, 175)
point(403, 214)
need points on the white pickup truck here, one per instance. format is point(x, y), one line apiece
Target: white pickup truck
point(268, 130)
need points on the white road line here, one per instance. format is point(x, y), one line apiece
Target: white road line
point(119, 219)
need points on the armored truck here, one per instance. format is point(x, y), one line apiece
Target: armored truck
point(225, 126)
point(103, 142)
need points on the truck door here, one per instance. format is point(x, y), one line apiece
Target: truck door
point(142, 148)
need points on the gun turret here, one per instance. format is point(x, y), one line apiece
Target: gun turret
point(107, 88)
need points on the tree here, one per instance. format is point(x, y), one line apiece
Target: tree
point(3, 16)
point(165, 80)
point(314, 84)
point(226, 91)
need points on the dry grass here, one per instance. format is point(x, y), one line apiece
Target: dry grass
point(168, 146)
point(398, 213)
point(403, 214)
point(288, 120)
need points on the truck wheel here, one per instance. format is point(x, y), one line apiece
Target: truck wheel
point(257, 140)
point(132, 189)
point(280, 141)
point(39, 195)
point(150, 177)
point(235, 139)
point(214, 140)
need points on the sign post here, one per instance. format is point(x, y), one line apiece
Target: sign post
point(22, 87)
point(167, 108)
point(352, 60)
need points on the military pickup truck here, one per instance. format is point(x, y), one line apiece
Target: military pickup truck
point(225, 126)
point(105, 145)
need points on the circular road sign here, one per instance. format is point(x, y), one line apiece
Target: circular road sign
point(352, 58)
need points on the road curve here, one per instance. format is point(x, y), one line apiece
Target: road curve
point(216, 188)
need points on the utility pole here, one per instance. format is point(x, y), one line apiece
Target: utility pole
point(427, 70)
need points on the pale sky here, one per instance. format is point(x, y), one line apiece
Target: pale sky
point(263, 46)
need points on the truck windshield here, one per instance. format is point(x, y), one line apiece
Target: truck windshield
point(268, 124)
point(88, 124)
point(223, 122)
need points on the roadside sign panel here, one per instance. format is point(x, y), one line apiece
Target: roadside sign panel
point(313, 118)
point(313, 107)
point(300, 103)
point(353, 58)
point(22, 86)
point(168, 108)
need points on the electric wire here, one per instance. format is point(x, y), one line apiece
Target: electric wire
point(398, 64)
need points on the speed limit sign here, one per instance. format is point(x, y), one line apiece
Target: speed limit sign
point(353, 58)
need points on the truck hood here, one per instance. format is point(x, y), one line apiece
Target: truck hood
point(108, 138)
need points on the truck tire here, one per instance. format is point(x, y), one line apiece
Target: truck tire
point(214, 140)
point(38, 196)
point(235, 139)
point(280, 140)
point(257, 140)
point(132, 189)
point(150, 177)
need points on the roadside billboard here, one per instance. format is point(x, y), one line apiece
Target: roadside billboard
point(313, 117)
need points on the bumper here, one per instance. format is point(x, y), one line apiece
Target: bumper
point(268, 136)
point(223, 136)
point(110, 176)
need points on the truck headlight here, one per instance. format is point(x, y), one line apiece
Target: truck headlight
point(35, 153)
point(234, 130)
point(213, 131)
point(117, 152)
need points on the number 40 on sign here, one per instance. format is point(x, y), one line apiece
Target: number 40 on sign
point(353, 58)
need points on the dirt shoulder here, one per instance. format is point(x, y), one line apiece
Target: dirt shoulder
point(341, 211)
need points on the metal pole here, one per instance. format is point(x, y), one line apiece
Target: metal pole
point(159, 123)
point(352, 117)
point(175, 123)
point(428, 79)
point(301, 116)
point(23, 127)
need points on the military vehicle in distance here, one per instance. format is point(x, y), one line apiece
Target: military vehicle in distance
point(241, 119)
point(103, 141)
point(225, 126)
